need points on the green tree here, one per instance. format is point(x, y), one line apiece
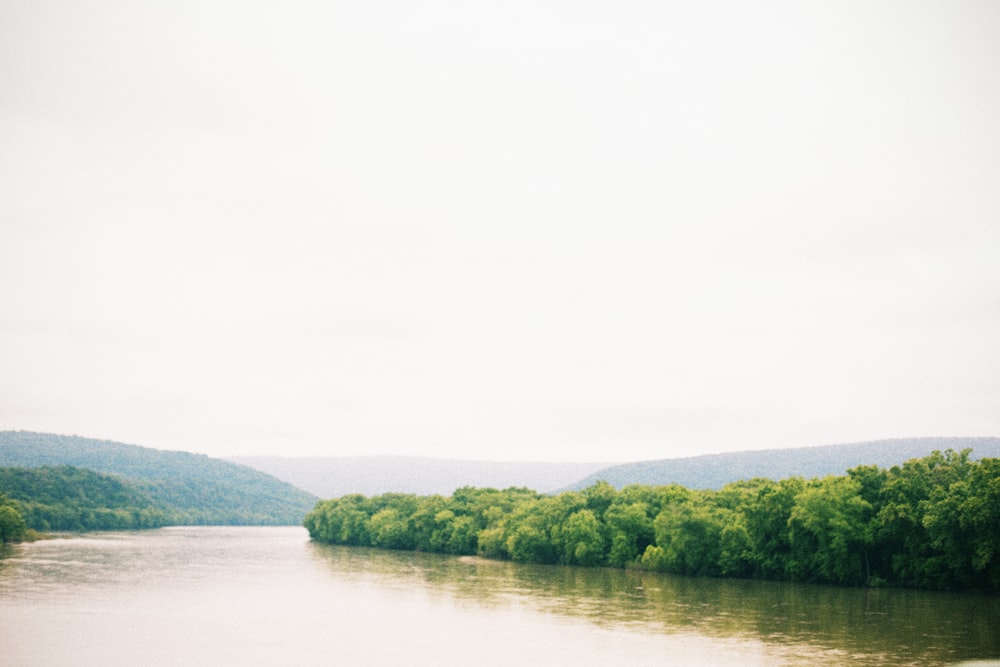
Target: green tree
point(631, 529)
point(583, 540)
point(492, 542)
point(388, 529)
point(765, 518)
point(424, 523)
point(962, 520)
point(12, 526)
point(829, 532)
point(529, 533)
point(899, 527)
point(980, 518)
point(341, 520)
point(653, 559)
point(464, 537)
point(688, 531)
point(599, 497)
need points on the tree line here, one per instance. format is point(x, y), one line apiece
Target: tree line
point(933, 522)
point(65, 498)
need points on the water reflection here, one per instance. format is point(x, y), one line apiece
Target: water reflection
point(872, 626)
point(264, 596)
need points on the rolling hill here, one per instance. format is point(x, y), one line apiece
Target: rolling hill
point(196, 488)
point(330, 477)
point(67, 498)
point(712, 471)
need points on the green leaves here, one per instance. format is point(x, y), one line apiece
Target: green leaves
point(191, 488)
point(828, 532)
point(12, 526)
point(933, 522)
point(68, 498)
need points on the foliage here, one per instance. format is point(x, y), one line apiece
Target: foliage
point(933, 522)
point(67, 498)
point(191, 488)
point(12, 526)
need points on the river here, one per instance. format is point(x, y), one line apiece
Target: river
point(269, 596)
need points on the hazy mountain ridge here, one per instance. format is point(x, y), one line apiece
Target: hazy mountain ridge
point(271, 489)
point(204, 489)
point(330, 477)
point(713, 471)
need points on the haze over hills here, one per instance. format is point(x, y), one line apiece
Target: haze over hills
point(195, 487)
point(330, 477)
point(271, 489)
point(713, 471)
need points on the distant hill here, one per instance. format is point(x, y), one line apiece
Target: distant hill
point(713, 471)
point(196, 488)
point(330, 477)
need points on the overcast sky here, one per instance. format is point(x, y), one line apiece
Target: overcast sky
point(509, 230)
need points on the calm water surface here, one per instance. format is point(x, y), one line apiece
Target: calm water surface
point(267, 596)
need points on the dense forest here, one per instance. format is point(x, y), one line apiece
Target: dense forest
point(65, 498)
point(190, 488)
point(933, 522)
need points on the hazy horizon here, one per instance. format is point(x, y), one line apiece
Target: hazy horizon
point(502, 461)
point(522, 231)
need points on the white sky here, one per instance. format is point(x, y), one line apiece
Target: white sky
point(527, 230)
